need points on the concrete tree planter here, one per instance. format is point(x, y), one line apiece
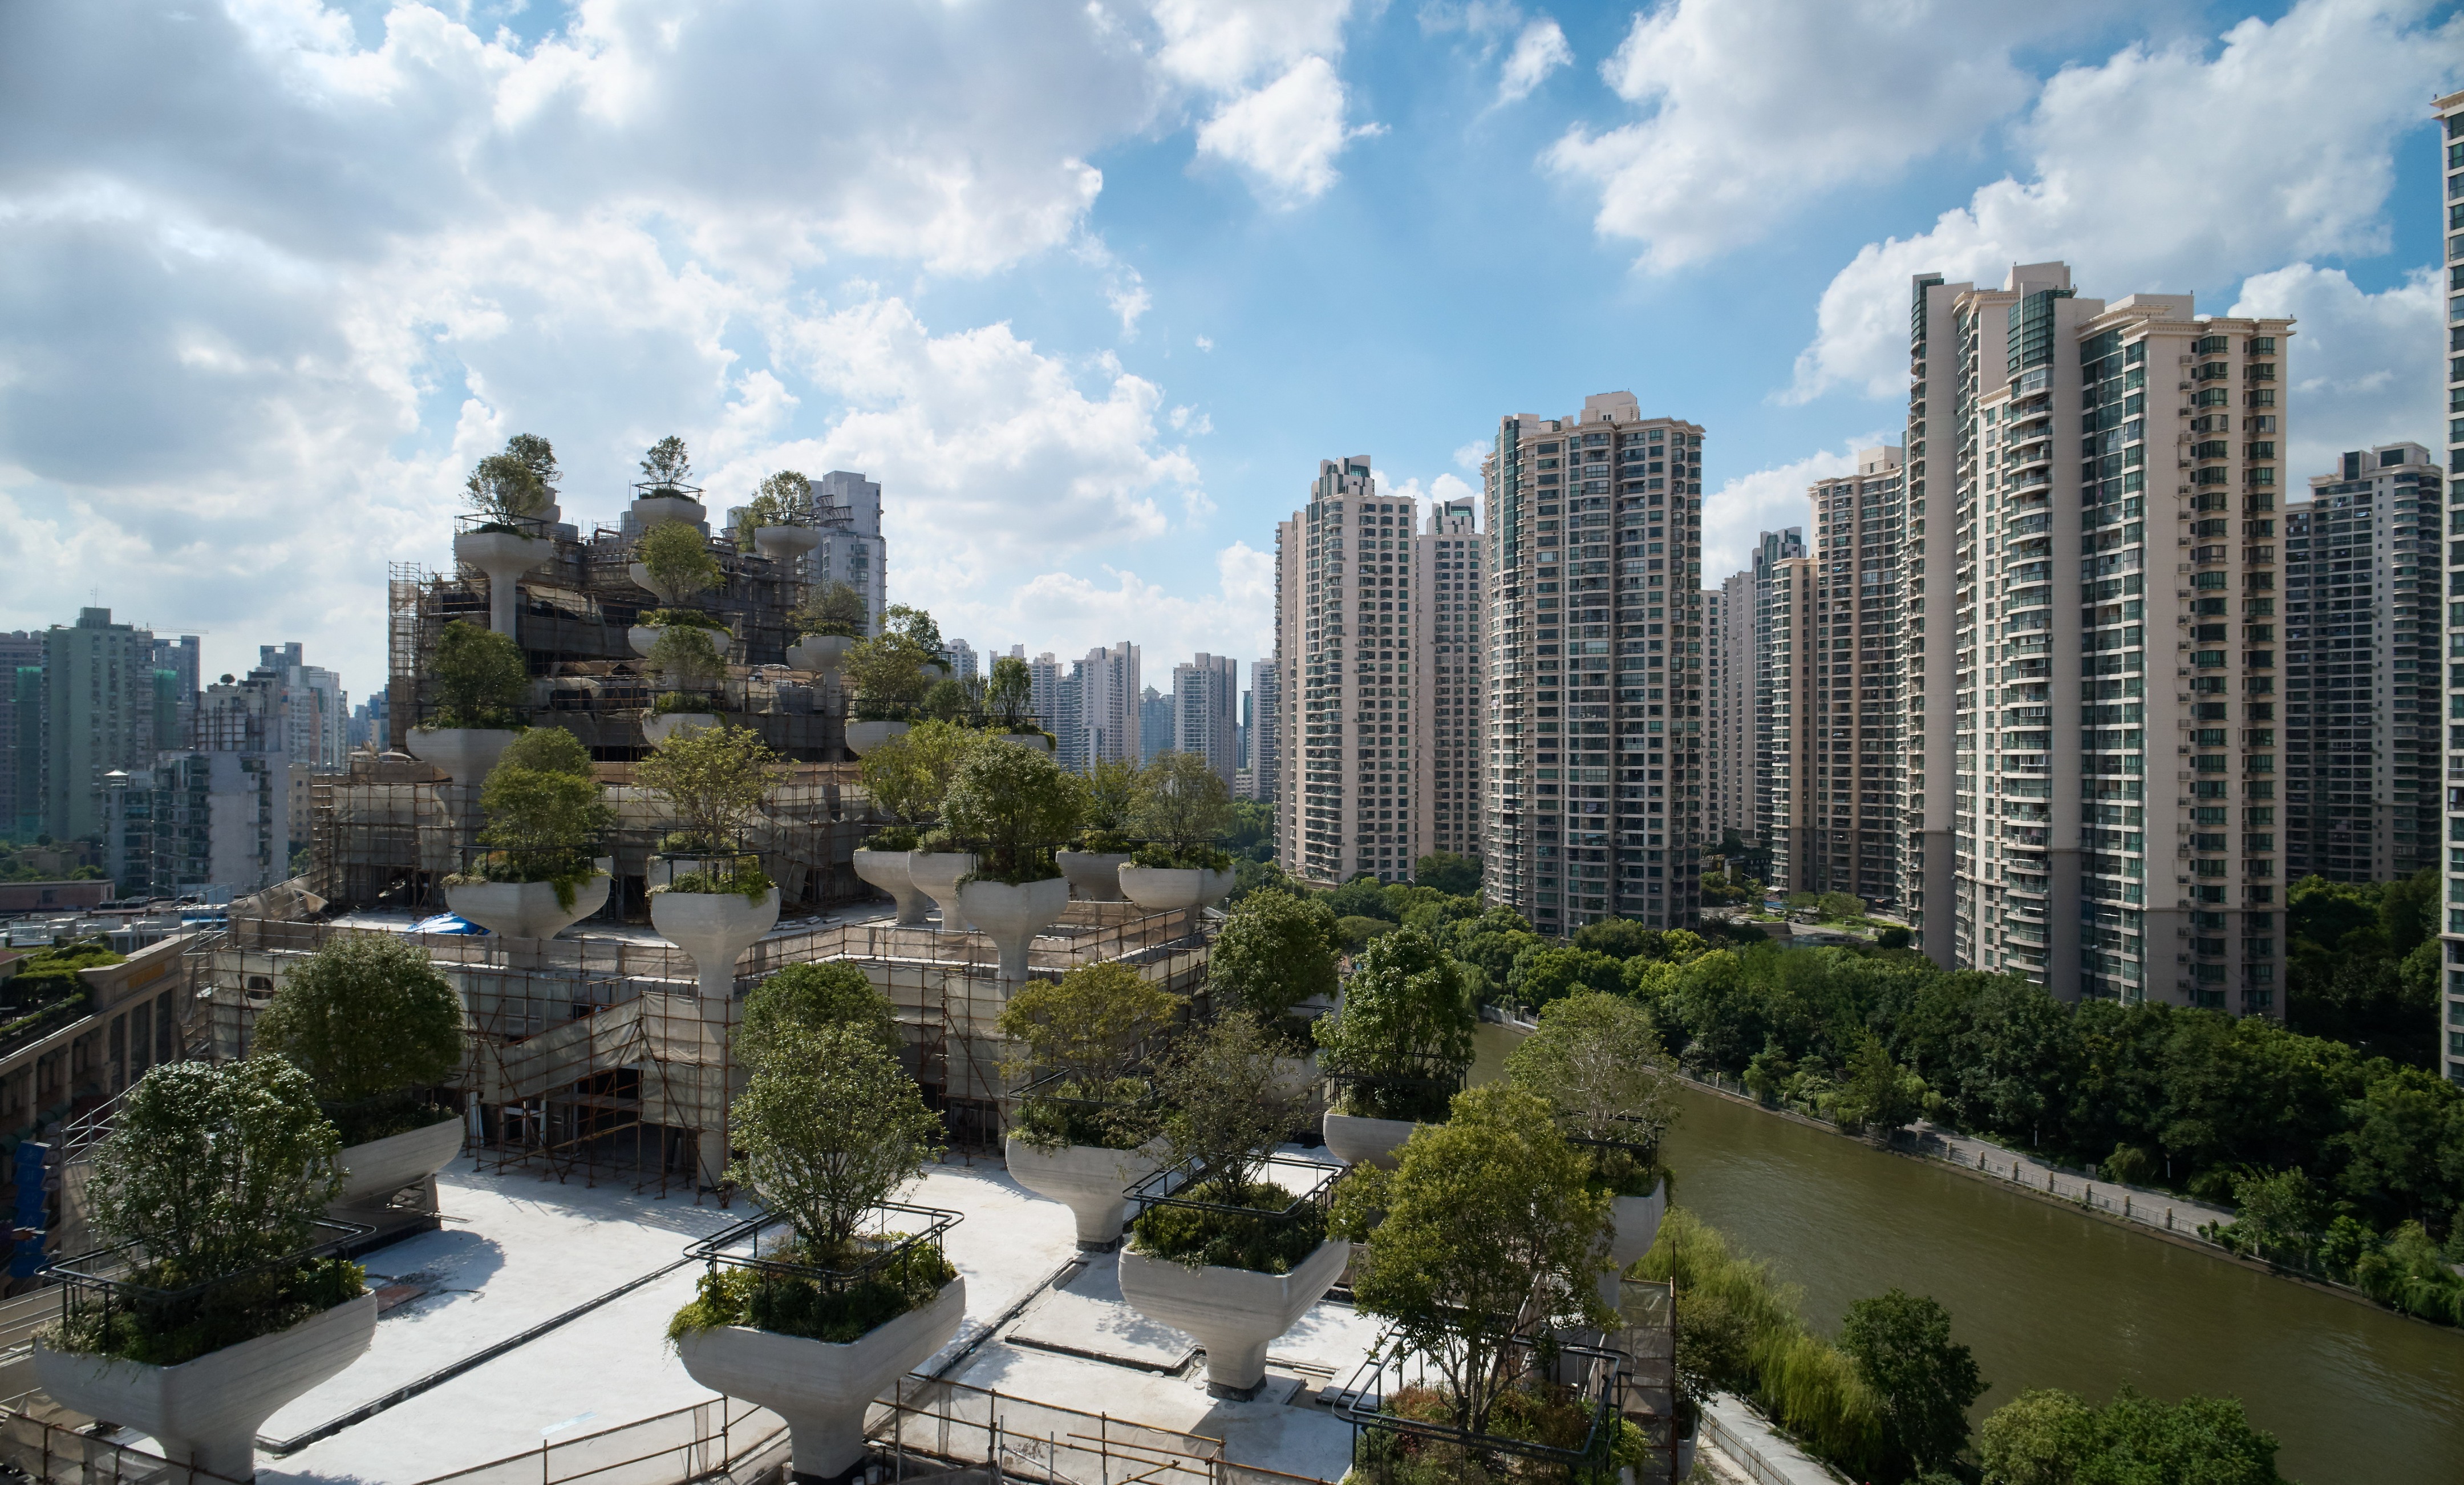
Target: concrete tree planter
point(642, 636)
point(1233, 1313)
point(819, 654)
point(863, 736)
point(1634, 1222)
point(204, 1414)
point(1094, 876)
point(381, 1167)
point(652, 509)
point(504, 556)
point(936, 874)
point(786, 544)
point(1170, 889)
point(465, 755)
point(887, 871)
point(1012, 916)
point(713, 927)
point(660, 726)
point(526, 910)
point(1355, 1139)
point(822, 1389)
point(1087, 1179)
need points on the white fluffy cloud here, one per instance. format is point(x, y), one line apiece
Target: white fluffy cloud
point(1768, 500)
point(1280, 107)
point(2167, 167)
point(2363, 368)
point(1539, 51)
point(1754, 107)
point(1070, 614)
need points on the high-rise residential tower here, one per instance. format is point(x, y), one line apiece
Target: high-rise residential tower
point(98, 717)
point(2116, 633)
point(316, 714)
point(1849, 798)
point(2450, 112)
point(1108, 704)
point(1728, 709)
point(1354, 794)
point(1594, 637)
point(1205, 705)
point(1265, 728)
point(1941, 384)
point(852, 550)
point(1448, 665)
point(2361, 666)
point(21, 735)
point(1772, 549)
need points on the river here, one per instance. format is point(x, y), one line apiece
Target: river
point(2047, 1298)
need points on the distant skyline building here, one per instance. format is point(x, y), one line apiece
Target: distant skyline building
point(1449, 666)
point(1266, 729)
point(2449, 204)
point(1108, 704)
point(1593, 525)
point(1848, 802)
point(21, 735)
point(184, 658)
point(100, 715)
point(1205, 706)
point(961, 659)
point(1155, 723)
point(853, 550)
point(1772, 548)
point(2360, 633)
point(1728, 709)
point(313, 708)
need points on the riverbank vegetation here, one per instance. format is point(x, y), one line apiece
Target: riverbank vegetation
point(2362, 964)
point(1888, 1400)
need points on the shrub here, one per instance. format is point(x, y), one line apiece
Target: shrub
point(1404, 1028)
point(481, 678)
point(1275, 951)
point(364, 1015)
point(1015, 805)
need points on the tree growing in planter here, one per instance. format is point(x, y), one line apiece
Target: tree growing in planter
point(686, 655)
point(366, 1017)
point(805, 997)
point(1111, 794)
point(1598, 1063)
point(832, 608)
point(481, 678)
point(677, 561)
point(1230, 1109)
point(1091, 1028)
point(544, 812)
point(1403, 1038)
point(1276, 950)
point(714, 780)
point(909, 776)
point(1013, 806)
point(1009, 695)
point(210, 1171)
point(830, 1127)
point(1484, 1236)
point(666, 464)
point(892, 670)
point(1181, 806)
point(508, 488)
point(781, 498)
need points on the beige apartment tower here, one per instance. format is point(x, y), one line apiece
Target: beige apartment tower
point(2113, 634)
point(2450, 112)
point(1595, 753)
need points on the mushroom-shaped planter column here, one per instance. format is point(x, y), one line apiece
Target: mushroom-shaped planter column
point(526, 910)
point(935, 874)
point(863, 736)
point(822, 655)
point(1634, 1222)
point(504, 556)
point(1233, 1313)
point(465, 755)
point(888, 871)
point(1011, 916)
point(822, 1389)
point(674, 505)
point(1170, 889)
point(713, 927)
point(204, 1414)
point(1094, 876)
point(1087, 1179)
point(660, 726)
point(381, 1167)
point(786, 544)
point(1355, 1139)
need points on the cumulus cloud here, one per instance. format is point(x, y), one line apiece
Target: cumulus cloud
point(2361, 368)
point(1751, 108)
point(1280, 105)
point(2137, 179)
point(1539, 51)
point(1769, 500)
point(1069, 614)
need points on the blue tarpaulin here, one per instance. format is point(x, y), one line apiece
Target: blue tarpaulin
point(446, 923)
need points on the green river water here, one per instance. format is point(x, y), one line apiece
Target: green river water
point(2047, 1296)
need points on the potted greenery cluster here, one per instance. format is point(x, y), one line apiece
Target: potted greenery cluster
point(538, 875)
point(1013, 805)
point(514, 495)
point(1479, 1251)
point(482, 685)
point(214, 1303)
point(1087, 1116)
point(1010, 705)
point(1105, 846)
point(1397, 1046)
point(377, 1030)
point(662, 494)
point(908, 778)
point(815, 1306)
point(1276, 957)
point(828, 625)
point(889, 673)
point(778, 522)
point(1597, 1061)
point(709, 897)
point(1181, 807)
point(1219, 1251)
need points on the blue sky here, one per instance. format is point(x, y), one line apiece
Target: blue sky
point(1091, 288)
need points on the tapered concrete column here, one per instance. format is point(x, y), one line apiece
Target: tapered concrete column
point(504, 556)
point(715, 927)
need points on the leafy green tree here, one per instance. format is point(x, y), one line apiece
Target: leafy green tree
point(538, 456)
point(1010, 695)
point(481, 678)
point(1879, 1093)
point(1597, 1061)
point(1180, 802)
point(1543, 973)
point(1894, 937)
point(2050, 1437)
point(1014, 805)
point(1901, 1345)
point(1455, 874)
point(1618, 937)
point(1231, 1105)
point(832, 608)
point(543, 821)
point(677, 561)
point(1487, 1223)
point(780, 496)
point(2038, 1438)
point(1275, 951)
point(909, 776)
point(894, 668)
point(714, 780)
point(685, 656)
point(1406, 1014)
point(1252, 834)
point(828, 1127)
point(504, 488)
point(211, 1169)
point(1357, 932)
point(2018, 1055)
point(1362, 897)
point(1112, 793)
point(547, 750)
point(666, 464)
point(1840, 905)
point(809, 997)
point(1093, 1023)
point(365, 1014)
